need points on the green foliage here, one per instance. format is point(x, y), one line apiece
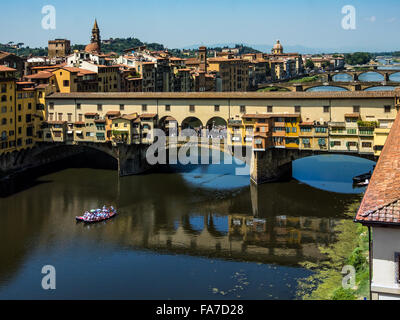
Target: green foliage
point(358, 58)
point(309, 64)
point(368, 124)
point(25, 52)
point(351, 248)
point(305, 79)
point(273, 89)
point(344, 294)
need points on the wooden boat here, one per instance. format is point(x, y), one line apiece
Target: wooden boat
point(112, 214)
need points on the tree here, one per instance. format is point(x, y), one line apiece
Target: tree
point(358, 58)
point(310, 64)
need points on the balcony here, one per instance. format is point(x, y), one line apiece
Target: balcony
point(337, 124)
point(235, 122)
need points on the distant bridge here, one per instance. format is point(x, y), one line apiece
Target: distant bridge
point(349, 86)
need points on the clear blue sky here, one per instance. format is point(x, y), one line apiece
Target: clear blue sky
point(179, 23)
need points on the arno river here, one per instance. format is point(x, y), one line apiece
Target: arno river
point(187, 233)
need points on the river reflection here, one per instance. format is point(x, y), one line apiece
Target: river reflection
point(172, 239)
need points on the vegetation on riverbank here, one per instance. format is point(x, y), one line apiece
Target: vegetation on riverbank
point(351, 248)
point(273, 89)
point(305, 79)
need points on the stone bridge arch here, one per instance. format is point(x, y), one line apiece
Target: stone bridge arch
point(308, 88)
point(276, 164)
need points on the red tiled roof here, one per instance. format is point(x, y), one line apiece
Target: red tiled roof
point(40, 75)
point(6, 69)
point(91, 114)
point(148, 115)
point(113, 113)
point(380, 202)
point(352, 115)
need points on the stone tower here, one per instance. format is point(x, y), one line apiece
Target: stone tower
point(95, 42)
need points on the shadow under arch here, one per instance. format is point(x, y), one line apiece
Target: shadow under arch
point(191, 123)
point(216, 121)
point(168, 124)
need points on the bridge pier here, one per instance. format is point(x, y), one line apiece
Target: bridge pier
point(132, 159)
point(387, 76)
point(271, 165)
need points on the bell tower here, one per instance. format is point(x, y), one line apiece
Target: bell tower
point(96, 34)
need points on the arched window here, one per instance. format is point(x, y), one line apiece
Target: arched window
point(4, 121)
point(3, 98)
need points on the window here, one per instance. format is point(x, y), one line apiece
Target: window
point(366, 145)
point(242, 109)
point(69, 117)
point(192, 108)
point(356, 109)
point(297, 109)
point(144, 107)
point(351, 131)
point(29, 106)
point(327, 109)
point(216, 108)
point(167, 107)
point(66, 83)
point(99, 107)
point(270, 108)
point(121, 107)
point(78, 106)
point(336, 143)
point(388, 109)
point(60, 116)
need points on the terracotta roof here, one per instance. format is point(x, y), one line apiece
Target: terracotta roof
point(6, 69)
point(306, 123)
point(80, 71)
point(81, 123)
point(380, 202)
point(226, 95)
point(352, 115)
point(40, 75)
point(148, 115)
point(113, 113)
point(100, 120)
point(91, 114)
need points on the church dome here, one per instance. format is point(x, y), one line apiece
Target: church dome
point(278, 45)
point(92, 48)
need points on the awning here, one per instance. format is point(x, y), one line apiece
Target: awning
point(78, 132)
point(70, 132)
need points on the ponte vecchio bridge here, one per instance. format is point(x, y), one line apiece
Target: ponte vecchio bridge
point(292, 125)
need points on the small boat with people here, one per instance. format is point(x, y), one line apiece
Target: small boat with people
point(97, 215)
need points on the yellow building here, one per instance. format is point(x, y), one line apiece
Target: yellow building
point(292, 127)
point(380, 136)
point(24, 115)
point(126, 129)
point(234, 73)
point(7, 108)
